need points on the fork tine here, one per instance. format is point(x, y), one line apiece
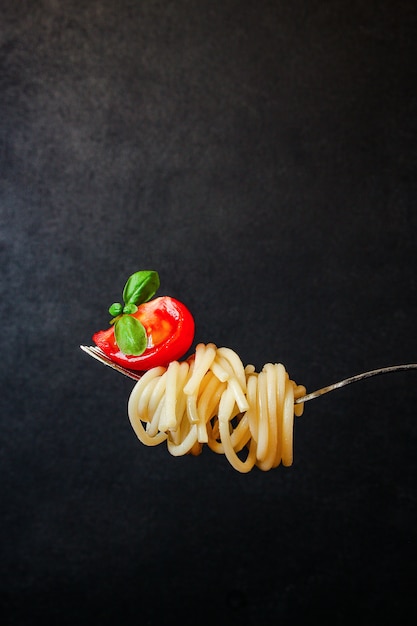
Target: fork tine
point(99, 355)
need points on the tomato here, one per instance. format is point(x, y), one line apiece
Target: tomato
point(170, 329)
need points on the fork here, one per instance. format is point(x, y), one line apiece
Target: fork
point(99, 355)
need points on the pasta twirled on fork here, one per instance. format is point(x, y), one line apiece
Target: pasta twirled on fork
point(212, 399)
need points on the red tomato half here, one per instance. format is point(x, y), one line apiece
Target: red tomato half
point(170, 329)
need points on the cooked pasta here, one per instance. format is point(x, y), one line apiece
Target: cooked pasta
point(212, 399)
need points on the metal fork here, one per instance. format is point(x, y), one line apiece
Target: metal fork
point(99, 355)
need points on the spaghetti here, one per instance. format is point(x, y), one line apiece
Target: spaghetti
point(212, 399)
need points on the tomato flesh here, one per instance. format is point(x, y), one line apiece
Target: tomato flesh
point(170, 329)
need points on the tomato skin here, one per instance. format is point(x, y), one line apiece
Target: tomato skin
point(170, 326)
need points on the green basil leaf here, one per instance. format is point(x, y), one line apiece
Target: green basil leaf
point(130, 308)
point(130, 335)
point(115, 309)
point(141, 287)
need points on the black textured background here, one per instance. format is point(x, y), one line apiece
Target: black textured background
point(262, 157)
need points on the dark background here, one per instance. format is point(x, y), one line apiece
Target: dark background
point(261, 156)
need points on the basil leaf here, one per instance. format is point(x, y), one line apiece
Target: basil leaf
point(115, 309)
point(130, 308)
point(140, 287)
point(130, 335)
